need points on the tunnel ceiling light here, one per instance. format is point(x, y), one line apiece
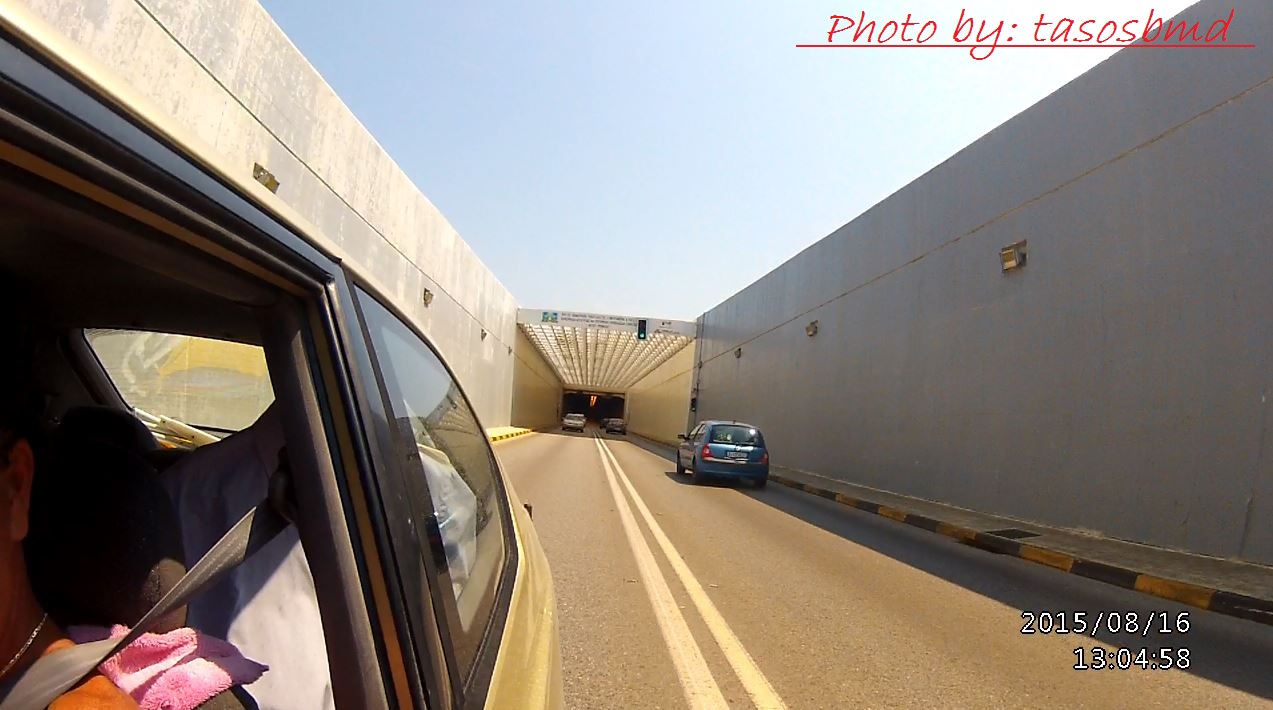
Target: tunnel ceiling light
point(601, 359)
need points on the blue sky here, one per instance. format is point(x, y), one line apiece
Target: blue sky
point(653, 158)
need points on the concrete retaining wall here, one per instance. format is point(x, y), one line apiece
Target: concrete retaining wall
point(536, 388)
point(223, 70)
point(658, 402)
point(1127, 366)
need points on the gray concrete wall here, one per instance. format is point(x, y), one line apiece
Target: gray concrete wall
point(1119, 383)
point(225, 72)
point(536, 387)
point(657, 403)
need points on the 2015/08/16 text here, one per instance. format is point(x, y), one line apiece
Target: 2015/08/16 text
point(982, 37)
point(1110, 622)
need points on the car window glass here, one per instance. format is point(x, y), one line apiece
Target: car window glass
point(446, 452)
point(738, 435)
point(212, 385)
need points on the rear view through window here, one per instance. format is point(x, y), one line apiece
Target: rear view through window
point(734, 434)
point(208, 384)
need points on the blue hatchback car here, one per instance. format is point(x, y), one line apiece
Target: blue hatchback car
point(725, 449)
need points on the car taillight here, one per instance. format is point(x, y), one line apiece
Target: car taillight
point(764, 458)
point(707, 450)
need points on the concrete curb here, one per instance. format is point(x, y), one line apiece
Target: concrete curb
point(1217, 600)
point(510, 435)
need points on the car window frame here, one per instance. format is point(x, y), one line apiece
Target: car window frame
point(128, 164)
point(473, 687)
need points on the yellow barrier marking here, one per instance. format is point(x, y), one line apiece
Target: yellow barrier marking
point(1047, 557)
point(754, 681)
point(955, 531)
point(898, 515)
point(696, 678)
point(1177, 591)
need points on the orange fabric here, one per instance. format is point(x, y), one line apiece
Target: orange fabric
point(96, 693)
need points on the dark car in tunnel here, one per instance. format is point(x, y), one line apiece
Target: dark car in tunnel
point(615, 426)
point(725, 449)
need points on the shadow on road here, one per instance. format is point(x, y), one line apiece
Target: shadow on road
point(1225, 650)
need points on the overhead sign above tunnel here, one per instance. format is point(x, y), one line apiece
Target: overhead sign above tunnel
point(606, 353)
point(598, 320)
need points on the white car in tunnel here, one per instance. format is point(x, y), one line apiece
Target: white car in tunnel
point(574, 422)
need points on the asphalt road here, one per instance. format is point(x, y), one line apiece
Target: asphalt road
point(736, 597)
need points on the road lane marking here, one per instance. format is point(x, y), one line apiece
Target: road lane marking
point(754, 681)
point(696, 678)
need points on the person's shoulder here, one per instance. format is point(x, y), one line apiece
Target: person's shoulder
point(96, 693)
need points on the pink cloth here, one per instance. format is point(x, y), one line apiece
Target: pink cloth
point(179, 670)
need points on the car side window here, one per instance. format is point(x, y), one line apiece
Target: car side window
point(698, 433)
point(451, 477)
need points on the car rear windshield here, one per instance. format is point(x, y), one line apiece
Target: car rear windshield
point(734, 434)
point(206, 383)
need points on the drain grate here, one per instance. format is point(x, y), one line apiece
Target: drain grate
point(1013, 533)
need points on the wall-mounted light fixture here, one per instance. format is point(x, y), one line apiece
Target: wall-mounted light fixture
point(483, 334)
point(427, 297)
point(1012, 256)
point(510, 350)
point(738, 352)
point(265, 177)
point(811, 329)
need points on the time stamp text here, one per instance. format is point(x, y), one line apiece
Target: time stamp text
point(1166, 629)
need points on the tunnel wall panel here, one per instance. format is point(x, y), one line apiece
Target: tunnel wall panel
point(224, 71)
point(1118, 383)
point(658, 402)
point(536, 387)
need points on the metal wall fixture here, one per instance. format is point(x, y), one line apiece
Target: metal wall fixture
point(738, 352)
point(427, 297)
point(1012, 256)
point(265, 177)
point(483, 334)
point(811, 329)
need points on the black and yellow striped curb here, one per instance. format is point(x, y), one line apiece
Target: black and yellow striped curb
point(511, 435)
point(1217, 600)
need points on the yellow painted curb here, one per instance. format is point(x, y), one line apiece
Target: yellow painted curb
point(1176, 591)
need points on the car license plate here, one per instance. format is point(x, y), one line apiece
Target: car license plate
point(736, 454)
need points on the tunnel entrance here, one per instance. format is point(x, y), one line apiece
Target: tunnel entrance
point(593, 405)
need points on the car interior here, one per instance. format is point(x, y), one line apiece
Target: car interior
point(79, 266)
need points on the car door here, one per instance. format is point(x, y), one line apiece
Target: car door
point(687, 446)
point(452, 525)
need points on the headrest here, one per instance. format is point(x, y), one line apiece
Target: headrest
point(113, 426)
point(105, 540)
